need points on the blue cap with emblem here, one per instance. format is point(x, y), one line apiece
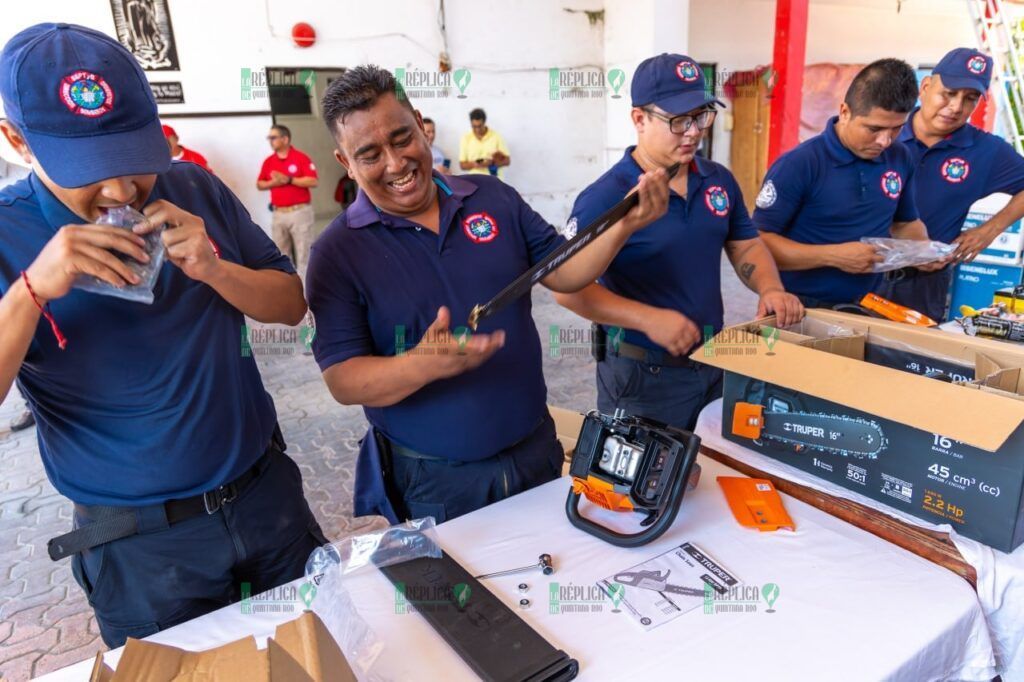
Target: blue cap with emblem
point(965, 68)
point(82, 103)
point(672, 82)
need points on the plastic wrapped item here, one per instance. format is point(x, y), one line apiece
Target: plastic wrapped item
point(127, 217)
point(402, 542)
point(904, 253)
point(819, 329)
point(887, 352)
point(334, 606)
point(329, 565)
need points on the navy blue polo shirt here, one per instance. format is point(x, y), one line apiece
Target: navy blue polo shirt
point(147, 402)
point(675, 262)
point(822, 193)
point(375, 282)
point(953, 173)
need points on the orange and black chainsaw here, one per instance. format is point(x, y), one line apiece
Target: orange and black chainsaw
point(631, 464)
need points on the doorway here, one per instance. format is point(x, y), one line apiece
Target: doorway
point(296, 96)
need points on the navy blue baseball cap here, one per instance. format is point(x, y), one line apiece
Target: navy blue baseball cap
point(672, 82)
point(82, 103)
point(965, 68)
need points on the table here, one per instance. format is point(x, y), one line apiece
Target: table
point(848, 601)
point(935, 546)
point(998, 577)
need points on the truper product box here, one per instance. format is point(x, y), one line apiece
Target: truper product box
point(923, 420)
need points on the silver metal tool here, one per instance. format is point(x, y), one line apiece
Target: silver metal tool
point(544, 564)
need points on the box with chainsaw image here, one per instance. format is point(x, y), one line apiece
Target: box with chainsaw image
point(935, 431)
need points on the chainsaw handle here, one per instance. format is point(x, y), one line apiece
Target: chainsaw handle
point(660, 524)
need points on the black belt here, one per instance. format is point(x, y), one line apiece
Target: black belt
point(115, 523)
point(398, 449)
point(648, 355)
point(909, 273)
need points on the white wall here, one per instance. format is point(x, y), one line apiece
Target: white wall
point(841, 31)
point(635, 30)
point(558, 146)
point(509, 47)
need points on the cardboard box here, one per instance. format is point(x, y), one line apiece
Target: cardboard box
point(301, 650)
point(843, 397)
point(567, 427)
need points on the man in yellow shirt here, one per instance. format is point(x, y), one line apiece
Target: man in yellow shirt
point(482, 150)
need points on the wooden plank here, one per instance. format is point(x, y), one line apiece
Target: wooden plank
point(931, 545)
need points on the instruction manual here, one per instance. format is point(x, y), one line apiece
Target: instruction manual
point(668, 585)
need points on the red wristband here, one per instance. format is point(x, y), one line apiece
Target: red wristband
point(61, 340)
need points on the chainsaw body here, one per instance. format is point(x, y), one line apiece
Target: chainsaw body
point(631, 464)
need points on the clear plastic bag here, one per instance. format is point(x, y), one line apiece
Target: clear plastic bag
point(819, 329)
point(904, 253)
point(402, 542)
point(328, 567)
point(127, 217)
point(360, 644)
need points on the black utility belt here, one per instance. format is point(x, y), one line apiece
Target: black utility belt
point(648, 356)
point(901, 274)
point(393, 448)
point(116, 523)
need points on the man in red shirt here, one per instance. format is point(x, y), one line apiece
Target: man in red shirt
point(289, 174)
point(180, 153)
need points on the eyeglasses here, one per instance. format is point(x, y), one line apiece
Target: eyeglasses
point(271, 138)
point(680, 124)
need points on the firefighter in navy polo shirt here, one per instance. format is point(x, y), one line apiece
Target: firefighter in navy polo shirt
point(457, 421)
point(957, 164)
point(664, 287)
point(851, 181)
point(150, 418)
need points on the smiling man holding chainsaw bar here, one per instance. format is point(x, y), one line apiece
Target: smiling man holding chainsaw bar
point(456, 421)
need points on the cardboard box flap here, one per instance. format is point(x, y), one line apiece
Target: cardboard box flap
point(307, 641)
point(238, 661)
point(567, 427)
point(101, 672)
point(302, 650)
point(977, 418)
point(284, 668)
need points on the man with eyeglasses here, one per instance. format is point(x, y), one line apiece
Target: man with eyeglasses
point(851, 181)
point(663, 289)
point(289, 175)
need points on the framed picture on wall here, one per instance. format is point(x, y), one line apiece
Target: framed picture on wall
point(144, 27)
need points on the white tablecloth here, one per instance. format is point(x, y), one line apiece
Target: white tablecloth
point(1000, 575)
point(851, 606)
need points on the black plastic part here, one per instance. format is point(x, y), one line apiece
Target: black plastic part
point(490, 637)
point(544, 267)
point(669, 456)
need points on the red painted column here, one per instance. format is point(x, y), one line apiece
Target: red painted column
point(788, 62)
